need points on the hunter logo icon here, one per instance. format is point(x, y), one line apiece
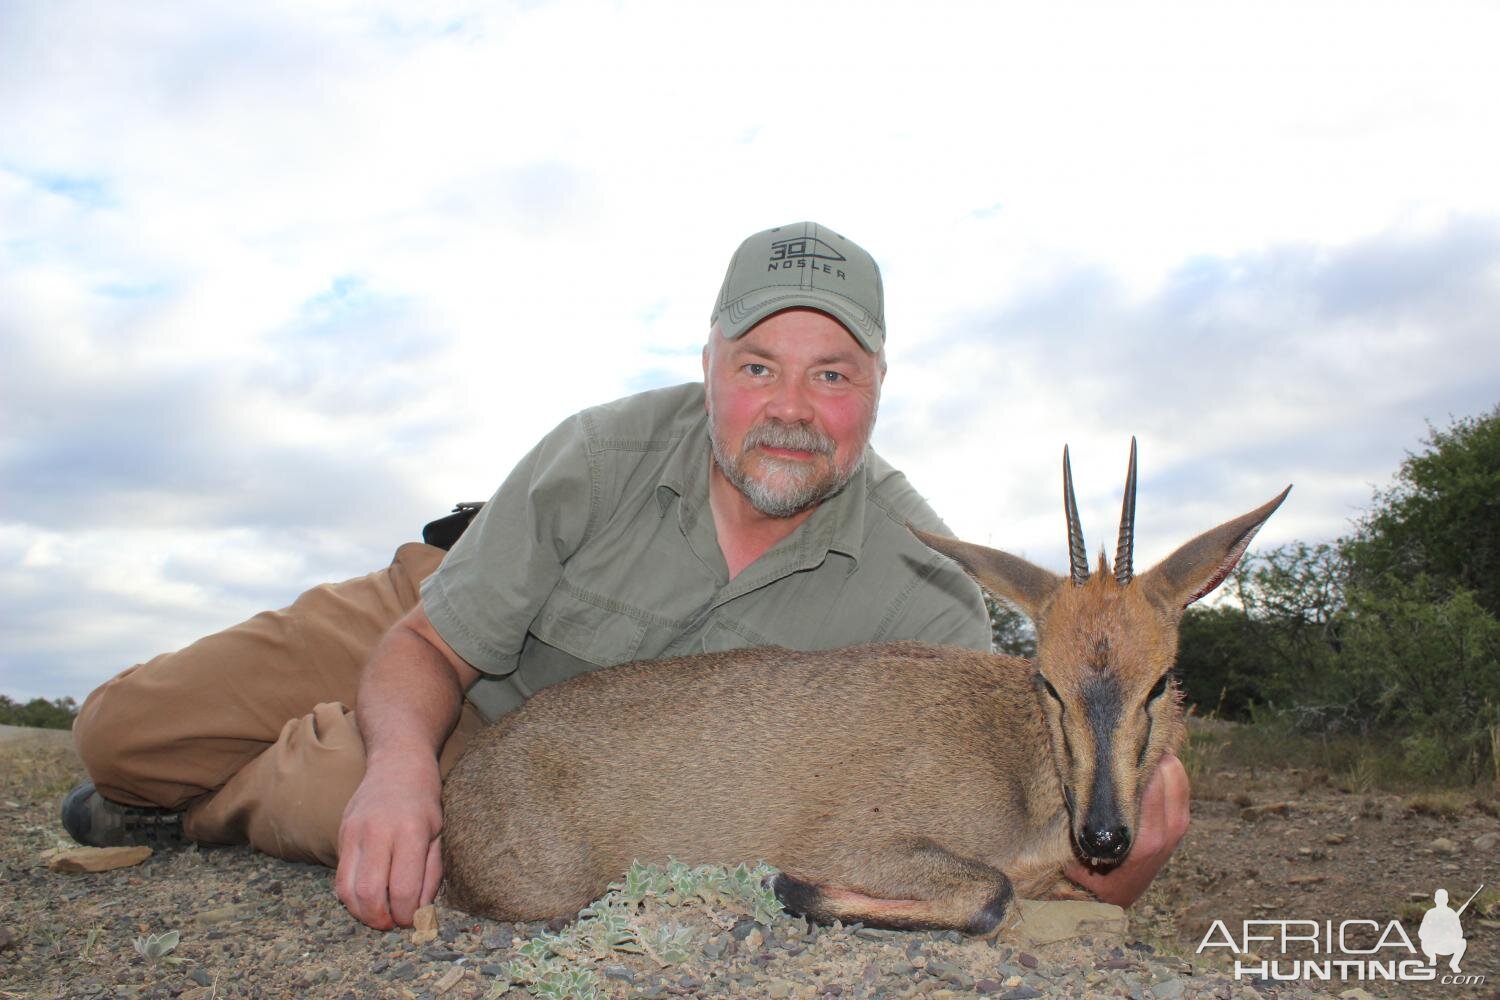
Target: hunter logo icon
point(804, 252)
point(1441, 933)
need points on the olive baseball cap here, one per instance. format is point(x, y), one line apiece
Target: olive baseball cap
point(803, 264)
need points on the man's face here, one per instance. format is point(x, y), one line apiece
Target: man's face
point(791, 406)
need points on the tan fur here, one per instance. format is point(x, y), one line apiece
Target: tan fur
point(902, 784)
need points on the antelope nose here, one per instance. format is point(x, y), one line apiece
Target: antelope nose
point(1106, 843)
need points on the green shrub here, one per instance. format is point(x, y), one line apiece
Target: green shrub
point(39, 713)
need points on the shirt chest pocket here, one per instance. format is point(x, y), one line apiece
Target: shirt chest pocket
point(587, 630)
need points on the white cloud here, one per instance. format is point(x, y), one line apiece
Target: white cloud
point(293, 278)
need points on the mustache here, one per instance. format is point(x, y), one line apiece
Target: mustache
point(795, 437)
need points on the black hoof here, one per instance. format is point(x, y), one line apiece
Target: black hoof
point(992, 913)
point(799, 897)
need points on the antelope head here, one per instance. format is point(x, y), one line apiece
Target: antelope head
point(1106, 645)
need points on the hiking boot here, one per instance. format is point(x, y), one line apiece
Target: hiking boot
point(95, 821)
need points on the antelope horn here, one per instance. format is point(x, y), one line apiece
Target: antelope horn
point(1077, 555)
point(1126, 549)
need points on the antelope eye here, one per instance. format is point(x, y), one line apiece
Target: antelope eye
point(1157, 689)
point(1051, 690)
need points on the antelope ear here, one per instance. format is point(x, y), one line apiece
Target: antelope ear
point(1194, 570)
point(998, 572)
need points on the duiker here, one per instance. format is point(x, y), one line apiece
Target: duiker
point(898, 784)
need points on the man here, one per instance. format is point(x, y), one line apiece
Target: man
point(745, 511)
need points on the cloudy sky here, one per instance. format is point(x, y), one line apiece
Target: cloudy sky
point(281, 282)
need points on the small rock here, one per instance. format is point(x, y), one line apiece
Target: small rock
point(201, 977)
point(755, 940)
point(1356, 994)
point(987, 986)
point(1443, 845)
point(1167, 989)
point(1335, 838)
point(424, 925)
point(406, 970)
point(498, 940)
point(437, 954)
point(779, 990)
point(619, 972)
point(448, 980)
point(379, 965)
point(1027, 960)
point(97, 859)
point(1044, 922)
point(1021, 993)
point(222, 914)
point(1268, 809)
point(491, 969)
point(6, 938)
point(1487, 841)
point(1306, 879)
point(196, 993)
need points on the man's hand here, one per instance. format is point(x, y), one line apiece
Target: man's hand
point(1164, 819)
point(389, 859)
point(409, 698)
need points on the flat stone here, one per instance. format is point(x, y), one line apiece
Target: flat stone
point(1167, 989)
point(222, 914)
point(97, 859)
point(1443, 845)
point(448, 980)
point(1047, 921)
point(1487, 841)
point(1268, 809)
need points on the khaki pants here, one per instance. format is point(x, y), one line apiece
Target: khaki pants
point(251, 730)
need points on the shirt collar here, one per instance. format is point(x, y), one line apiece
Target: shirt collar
point(838, 525)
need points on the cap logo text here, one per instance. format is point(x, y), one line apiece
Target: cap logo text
point(804, 252)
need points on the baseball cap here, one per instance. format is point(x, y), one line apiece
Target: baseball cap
point(803, 264)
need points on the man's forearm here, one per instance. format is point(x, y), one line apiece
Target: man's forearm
point(409, 698)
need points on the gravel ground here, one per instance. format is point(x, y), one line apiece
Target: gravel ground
point(253, 926)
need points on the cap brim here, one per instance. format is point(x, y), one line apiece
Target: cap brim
point(739, 316)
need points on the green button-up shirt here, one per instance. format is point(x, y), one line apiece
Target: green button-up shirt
point(600, 548)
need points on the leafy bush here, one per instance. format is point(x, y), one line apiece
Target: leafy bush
point(38, 712)
point(1388, 639)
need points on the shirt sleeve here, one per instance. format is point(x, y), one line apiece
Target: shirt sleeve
point(946, 606)
point(949, 610)
point(483, 597)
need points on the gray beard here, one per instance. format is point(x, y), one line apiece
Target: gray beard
point(798, 490)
